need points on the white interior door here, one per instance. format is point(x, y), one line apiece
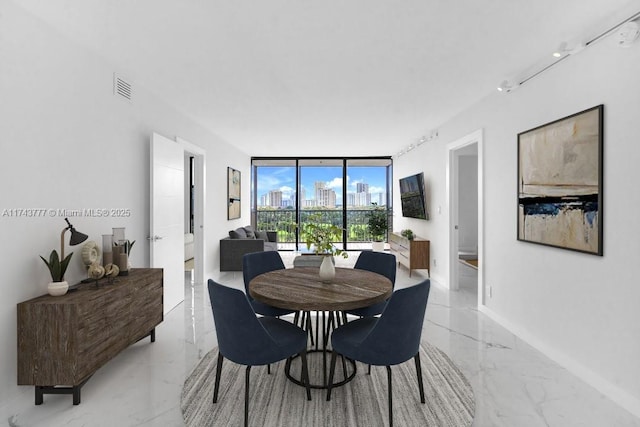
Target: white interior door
point(166, 237)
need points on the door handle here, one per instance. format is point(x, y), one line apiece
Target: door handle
point(154, 238)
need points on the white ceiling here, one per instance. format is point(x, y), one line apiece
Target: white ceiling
point(337, 77)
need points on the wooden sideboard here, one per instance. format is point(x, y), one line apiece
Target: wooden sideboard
point(413, 254)
point(64, 340)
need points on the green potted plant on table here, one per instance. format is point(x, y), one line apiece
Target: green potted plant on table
point(322, 236)
point(378, 225)
point(407, 234)
point(57, 268)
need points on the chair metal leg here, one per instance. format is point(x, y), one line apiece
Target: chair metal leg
point(269, 368)
point(246, 397)
point(218, 371)
point(419, 372)
point(305, 372)
point(390, 397)
point(369, 370)
point(331, 372)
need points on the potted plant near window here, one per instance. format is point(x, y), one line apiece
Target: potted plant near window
point(57, 268)
point(322, 236)
point(377, 226)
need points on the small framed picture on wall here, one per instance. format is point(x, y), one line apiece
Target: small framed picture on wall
point(233, 193)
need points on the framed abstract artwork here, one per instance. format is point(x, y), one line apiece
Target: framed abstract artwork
point(560, 183)
point(233, 193)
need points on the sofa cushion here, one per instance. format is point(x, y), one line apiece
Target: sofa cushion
point(250, 233)
point(262, 235)
point(238, 233)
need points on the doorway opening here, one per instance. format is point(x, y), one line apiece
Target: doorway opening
point(194, 209)
point(465, 200)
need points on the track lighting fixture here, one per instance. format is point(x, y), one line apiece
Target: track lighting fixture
point(422, 140)
point(627, 32)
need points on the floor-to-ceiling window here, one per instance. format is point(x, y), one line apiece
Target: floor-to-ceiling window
point(287, 193)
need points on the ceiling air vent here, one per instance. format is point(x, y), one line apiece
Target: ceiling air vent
point(122, 87)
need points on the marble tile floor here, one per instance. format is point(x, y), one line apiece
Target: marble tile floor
point(514, 384)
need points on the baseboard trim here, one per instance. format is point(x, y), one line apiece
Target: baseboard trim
point(604, 386)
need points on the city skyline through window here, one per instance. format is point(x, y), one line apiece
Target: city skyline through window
point(320, 186)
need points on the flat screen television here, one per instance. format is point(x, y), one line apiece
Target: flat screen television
point(412, 196)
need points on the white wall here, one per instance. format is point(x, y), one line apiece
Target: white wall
point(580, 309)
point(68, 143)
point(429, 159)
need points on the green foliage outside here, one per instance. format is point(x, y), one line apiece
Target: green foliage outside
point(284, 222)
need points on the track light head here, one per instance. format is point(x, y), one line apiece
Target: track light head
point(506, 86)
point(628, 33)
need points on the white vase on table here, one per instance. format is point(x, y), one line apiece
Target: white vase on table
point(327, 269)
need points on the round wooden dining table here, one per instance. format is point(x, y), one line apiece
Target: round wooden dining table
point(301, 289)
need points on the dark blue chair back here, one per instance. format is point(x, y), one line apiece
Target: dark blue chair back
point(241, 337)
point(378, 262)
point(381, 263)
point(396, 336)
point(257, 263)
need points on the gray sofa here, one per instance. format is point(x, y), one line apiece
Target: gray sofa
point(242, 241)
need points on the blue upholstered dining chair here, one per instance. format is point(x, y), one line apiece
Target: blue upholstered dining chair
point(383, 264)
point(249, 340)
point(254, 264)
point(390, 339)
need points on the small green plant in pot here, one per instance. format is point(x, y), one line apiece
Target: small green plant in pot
point(408, 234)
point(57, 268)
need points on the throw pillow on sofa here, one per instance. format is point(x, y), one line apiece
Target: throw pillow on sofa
point(249, 231)
point(238, 233)
point(262, 235)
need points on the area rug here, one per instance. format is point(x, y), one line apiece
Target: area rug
point(276, 401)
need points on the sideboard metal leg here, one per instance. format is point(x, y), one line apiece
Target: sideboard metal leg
point(153, 335)
point(76, 395)
point(39, 395)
